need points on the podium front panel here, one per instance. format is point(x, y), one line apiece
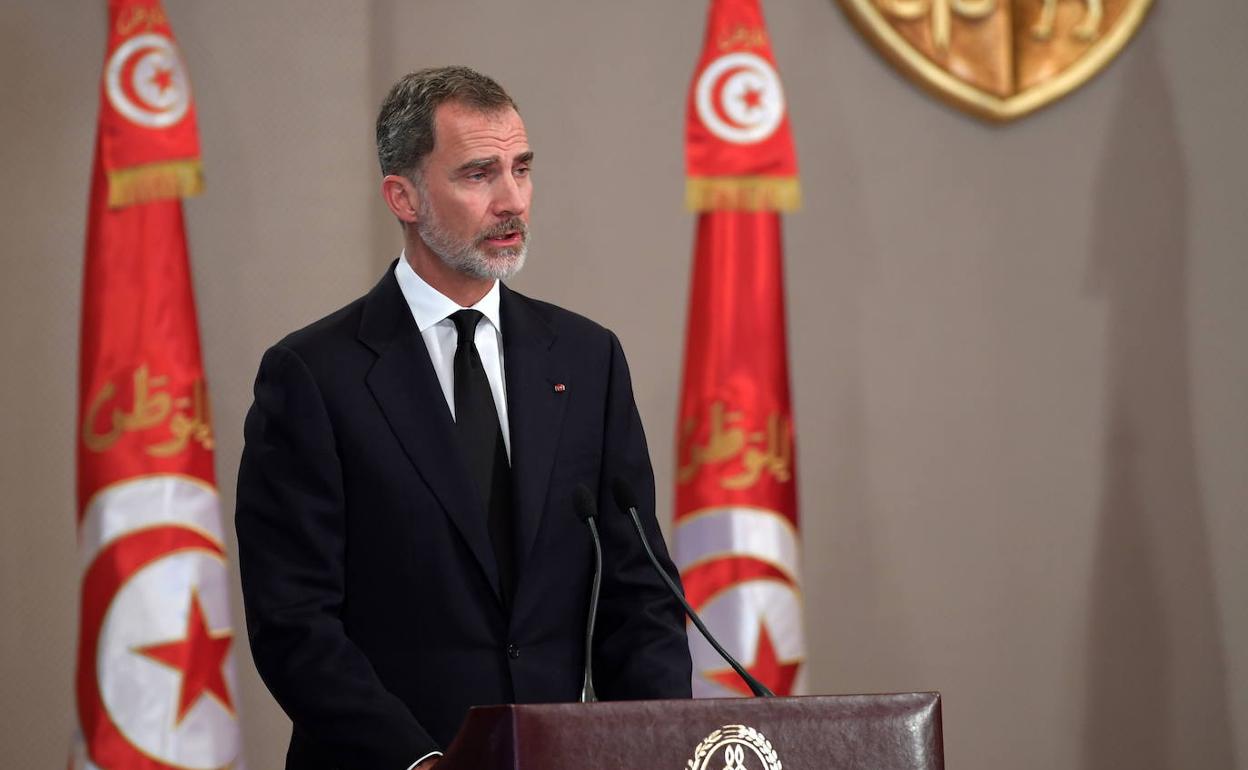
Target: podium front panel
point(841, 732)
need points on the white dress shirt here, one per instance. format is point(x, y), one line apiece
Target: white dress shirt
point(432, 310)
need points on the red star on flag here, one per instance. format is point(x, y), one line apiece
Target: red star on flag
point(777, 674)
point(199, 657)
point(753, 98)
point(163, 79)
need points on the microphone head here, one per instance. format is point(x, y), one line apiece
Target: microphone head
point(583, 503)
point(623, 494)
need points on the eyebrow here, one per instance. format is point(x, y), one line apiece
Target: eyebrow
point(525, 157)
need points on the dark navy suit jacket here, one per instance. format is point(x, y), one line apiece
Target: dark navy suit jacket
point(371, 592)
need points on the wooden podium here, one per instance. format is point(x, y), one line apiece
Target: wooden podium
point(837, 732)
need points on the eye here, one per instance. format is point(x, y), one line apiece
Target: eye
point(522, 171)
point(478, 176)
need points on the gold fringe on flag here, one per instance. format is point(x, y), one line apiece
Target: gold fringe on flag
point(154, 182)
point(743, 193)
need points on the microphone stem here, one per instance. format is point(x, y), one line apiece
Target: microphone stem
point(758, 688)
point(587, 690)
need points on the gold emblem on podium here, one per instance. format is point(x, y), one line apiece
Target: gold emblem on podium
point(999, 59)
point(737, 747)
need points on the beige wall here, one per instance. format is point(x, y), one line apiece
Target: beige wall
point(1020, 371)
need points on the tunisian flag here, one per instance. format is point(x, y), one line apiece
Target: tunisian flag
point(736, 529)
point(155, 677)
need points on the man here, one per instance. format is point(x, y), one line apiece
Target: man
point(406, 534)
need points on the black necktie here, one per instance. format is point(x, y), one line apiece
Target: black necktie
point(481, 439)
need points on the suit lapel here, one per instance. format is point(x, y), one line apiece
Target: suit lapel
point(534, 409)
point(406, 388)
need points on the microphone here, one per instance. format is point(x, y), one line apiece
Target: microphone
point(587, 509)
point(627, 503)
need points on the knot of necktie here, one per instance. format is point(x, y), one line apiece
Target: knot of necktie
point(466, 322)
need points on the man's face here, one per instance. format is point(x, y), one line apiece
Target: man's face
point(474, 191)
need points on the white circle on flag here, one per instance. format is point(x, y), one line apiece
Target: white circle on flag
point(737, 616)
point(739, 98)
point(142, 695)
point(752, 591)
point(161, 539)
point(146, 81)
point(737, 531)
point(150, 501)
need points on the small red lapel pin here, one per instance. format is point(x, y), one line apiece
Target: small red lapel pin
point(560, 387)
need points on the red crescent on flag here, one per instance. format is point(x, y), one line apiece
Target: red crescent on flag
point(703, 581)
point(112, 567)
point(717, 96)
point(127, 79)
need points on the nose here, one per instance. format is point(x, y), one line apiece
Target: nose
point(511, 196)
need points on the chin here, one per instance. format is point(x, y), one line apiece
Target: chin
point(504, 271)
point(505, 263)
point(497, 267)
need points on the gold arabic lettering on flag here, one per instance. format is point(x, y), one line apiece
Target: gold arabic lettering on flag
point(186, 417)
point(747, 454)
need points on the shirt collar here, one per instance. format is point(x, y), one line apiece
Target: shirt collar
point(429, 306)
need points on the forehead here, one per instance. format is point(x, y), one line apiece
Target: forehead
point(462, 132)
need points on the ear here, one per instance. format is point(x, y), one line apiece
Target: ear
point(401, 196)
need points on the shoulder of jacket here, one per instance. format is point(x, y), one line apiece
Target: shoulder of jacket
point(331, 335)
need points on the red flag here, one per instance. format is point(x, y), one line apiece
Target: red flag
point(155, 683)
point(736, 527)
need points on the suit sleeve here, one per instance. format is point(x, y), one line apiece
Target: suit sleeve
point(641, 650)
point(290, 519)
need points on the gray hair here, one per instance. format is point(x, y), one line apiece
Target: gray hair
point(405, 123)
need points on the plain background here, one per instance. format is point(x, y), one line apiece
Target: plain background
point(1018, 352)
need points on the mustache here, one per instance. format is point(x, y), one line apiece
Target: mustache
point(512, 225)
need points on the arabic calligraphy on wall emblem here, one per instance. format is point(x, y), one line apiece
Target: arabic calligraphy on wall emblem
point(999, 59)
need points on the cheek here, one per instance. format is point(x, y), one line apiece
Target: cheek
point(466, 211)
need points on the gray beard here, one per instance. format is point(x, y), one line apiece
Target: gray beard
point(468, 257)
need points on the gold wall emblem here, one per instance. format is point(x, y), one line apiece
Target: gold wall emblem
point(734, 747)
point(999, 59)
